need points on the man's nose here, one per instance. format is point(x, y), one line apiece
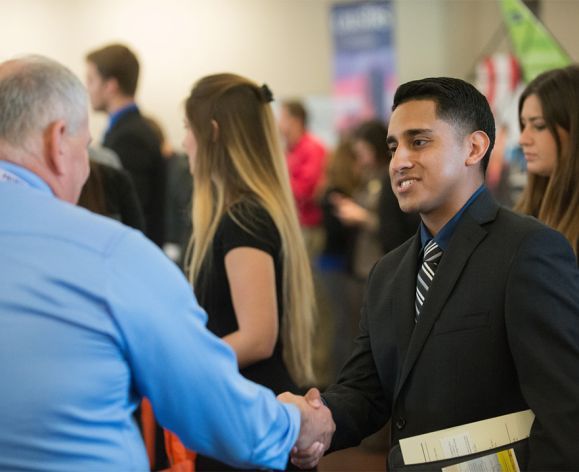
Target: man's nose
point(400, 159)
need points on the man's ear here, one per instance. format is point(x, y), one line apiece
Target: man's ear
point(111, 86)
point(478, 143)
point(54, 146)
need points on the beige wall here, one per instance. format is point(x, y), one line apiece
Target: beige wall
point(437, 37)
point(562, 19)
point(285, 43)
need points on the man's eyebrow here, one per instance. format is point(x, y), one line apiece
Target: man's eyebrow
point(413, 132)
point(409, 133)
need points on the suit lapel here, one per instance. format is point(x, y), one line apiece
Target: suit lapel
point(403, 298)
point(467, 236)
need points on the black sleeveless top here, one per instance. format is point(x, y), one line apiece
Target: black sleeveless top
point(250, 226)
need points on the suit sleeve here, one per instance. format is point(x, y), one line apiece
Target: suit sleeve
point(189, 375)
point(542, 319)
point(144, 163)
point(357, 401)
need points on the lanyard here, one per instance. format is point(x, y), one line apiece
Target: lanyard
point(9, 177)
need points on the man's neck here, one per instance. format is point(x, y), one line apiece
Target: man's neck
point(295, 138)
point(438, 218)
point(118, 103)
point(33, 164)
point(21, 156)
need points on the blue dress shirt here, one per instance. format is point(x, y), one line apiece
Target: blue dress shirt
point(93, 317)
point(116, 116)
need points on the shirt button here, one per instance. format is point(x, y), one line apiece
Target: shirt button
point(400, 423)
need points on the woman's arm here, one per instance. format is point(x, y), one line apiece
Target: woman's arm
point(352, 214)
point(251, 276)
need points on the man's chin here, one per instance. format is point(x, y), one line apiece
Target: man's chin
point(97, 108)
point(408, 206)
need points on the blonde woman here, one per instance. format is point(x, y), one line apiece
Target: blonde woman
point(549, 119)
point(247, 260)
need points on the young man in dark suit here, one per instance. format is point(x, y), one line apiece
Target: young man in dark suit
point(112, 78)
point(474, 317)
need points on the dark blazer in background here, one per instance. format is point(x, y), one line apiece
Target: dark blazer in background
point(498, 333)
point(111, 192)
point(140, 153)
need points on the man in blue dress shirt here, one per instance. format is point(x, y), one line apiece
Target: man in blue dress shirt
point(93, 316)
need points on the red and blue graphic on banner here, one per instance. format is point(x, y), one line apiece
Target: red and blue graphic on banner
point(364, 61)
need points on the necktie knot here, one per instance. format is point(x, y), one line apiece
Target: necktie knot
point(432, 252)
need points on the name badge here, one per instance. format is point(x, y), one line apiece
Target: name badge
point(11, 178)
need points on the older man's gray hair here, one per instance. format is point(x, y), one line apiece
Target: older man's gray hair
point(34, 92)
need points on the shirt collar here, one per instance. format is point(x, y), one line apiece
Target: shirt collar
point(27, 176)
point(444, 235)
point(116, 116)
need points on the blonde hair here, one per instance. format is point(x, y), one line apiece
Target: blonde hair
point(555, 199)
point(239, 160)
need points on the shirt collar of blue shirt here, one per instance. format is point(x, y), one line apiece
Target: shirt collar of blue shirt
point(444, 235)
point(29, 177)
point(116, 116)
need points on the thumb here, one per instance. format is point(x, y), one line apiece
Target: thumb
point(314, 398)
point(286, 397)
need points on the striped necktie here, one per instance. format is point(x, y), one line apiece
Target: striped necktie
point(430, 260)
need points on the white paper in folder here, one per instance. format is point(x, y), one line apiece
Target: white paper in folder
point(467, 438)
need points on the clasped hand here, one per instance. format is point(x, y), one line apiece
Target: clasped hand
point(316, 431)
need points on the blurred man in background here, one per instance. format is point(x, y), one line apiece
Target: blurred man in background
point(112, 75)
point(306, 158)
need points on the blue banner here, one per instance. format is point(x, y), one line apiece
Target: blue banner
point(364, 61)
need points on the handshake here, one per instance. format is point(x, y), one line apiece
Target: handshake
point(316, 431)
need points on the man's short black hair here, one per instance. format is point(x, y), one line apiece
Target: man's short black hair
point(457, 102)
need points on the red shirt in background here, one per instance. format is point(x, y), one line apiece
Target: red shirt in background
point(306, 164)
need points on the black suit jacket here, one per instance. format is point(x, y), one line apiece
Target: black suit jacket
point(140, 153)
point(498, 333)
